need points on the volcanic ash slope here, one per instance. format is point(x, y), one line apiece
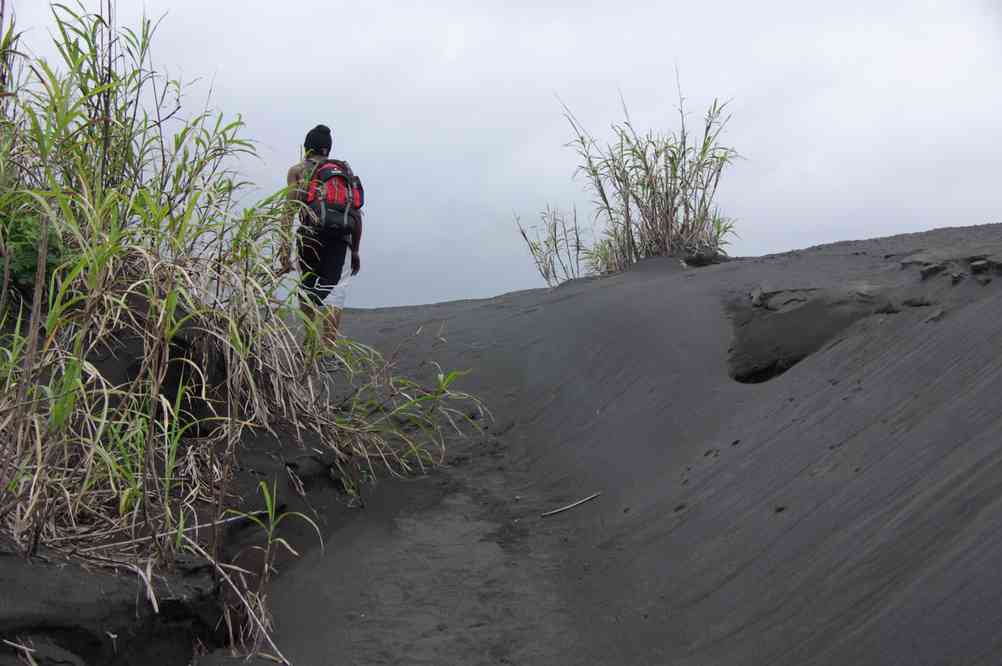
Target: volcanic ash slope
point(799, 458)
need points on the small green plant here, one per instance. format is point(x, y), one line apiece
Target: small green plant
point(253, 635)
point(269, 520)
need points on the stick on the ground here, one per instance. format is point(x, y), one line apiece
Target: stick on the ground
point(569, 506)
point(24, 648)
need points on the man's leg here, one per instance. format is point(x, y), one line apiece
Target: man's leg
point(312, 291)
point(326, 319)
point(333, 267)
point(322, 261)
point(306, 304)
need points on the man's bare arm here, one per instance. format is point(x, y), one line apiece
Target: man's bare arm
point(294, 195)
point(356, 239)
point(356, 235)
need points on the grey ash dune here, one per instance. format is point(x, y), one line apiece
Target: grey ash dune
point(844, 509)
point(799, 460)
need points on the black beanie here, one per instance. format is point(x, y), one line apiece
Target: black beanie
point(319, 140)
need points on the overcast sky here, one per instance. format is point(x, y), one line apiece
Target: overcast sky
point(854, 120)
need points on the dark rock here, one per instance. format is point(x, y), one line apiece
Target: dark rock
point(707, 258)
point(931, 269)
point(979, 266)
point(888, 308)
point(312, 470)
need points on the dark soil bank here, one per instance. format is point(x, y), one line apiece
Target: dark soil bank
point(798, 459)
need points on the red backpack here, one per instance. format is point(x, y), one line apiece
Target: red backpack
point(334, 191)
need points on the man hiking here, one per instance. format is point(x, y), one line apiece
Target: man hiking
point(329, 198)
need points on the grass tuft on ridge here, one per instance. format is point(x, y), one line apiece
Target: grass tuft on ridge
point(654, 195)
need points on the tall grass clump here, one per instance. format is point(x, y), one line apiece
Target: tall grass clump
point(145, 330)
point(654, 193)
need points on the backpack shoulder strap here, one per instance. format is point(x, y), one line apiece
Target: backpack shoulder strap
point(313, 163)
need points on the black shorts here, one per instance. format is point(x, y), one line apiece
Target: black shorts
point(321, 261)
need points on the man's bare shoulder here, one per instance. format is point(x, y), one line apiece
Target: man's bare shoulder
point(296, 172)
